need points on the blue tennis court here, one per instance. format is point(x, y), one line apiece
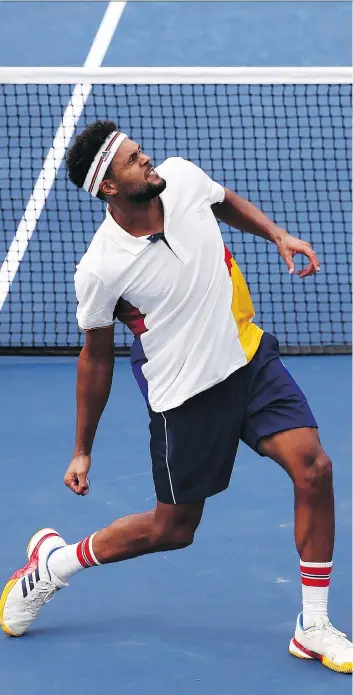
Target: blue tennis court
point(215, 618)
point(181, 33)
point(191, 621)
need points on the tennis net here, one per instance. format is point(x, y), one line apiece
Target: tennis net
point(281, 138)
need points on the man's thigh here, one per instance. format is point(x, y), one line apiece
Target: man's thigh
point(193, 446)
point(275, 401)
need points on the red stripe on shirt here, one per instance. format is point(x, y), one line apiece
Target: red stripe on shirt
point(228, 259)
point(131, 316)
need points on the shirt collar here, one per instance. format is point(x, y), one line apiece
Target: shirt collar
point(130, 243)
point(168, 198)
point(133, 244)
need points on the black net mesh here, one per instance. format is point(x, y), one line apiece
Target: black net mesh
point(286, 148)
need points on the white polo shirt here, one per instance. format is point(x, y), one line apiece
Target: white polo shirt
point(177, 300)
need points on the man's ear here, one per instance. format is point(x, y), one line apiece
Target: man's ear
point(108, 187)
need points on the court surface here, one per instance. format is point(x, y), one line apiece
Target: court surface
point(180, 33)
point(216, 618)
point(212, 619)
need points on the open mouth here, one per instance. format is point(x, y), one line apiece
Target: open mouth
point(151, 174)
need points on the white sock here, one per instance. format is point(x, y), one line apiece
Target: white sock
point(315, 587)
point(71, 559)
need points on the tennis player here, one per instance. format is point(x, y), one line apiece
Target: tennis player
point(209, 375)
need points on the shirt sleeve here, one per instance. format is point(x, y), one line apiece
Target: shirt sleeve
point(214, 191)
point(96, 303)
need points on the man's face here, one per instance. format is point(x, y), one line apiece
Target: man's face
point(134, 176)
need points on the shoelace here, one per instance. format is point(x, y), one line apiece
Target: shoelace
point(337, 636)
point(43, 593)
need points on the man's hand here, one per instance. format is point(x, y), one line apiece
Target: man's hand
point(76, 475)
point(243, 215)
point(288, 246)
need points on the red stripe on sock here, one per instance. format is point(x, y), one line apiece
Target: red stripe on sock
point(315, 570)
point(88, 553)
point(80, 555)
point(315, 582)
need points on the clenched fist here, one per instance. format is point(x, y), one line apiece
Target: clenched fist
point(76, 476)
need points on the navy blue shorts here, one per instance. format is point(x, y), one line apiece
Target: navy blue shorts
point(193, 446)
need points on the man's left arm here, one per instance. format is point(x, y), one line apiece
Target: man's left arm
point(241, 214)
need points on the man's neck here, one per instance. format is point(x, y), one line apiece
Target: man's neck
point(139, 219)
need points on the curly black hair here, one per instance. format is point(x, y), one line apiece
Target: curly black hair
point(82, 153)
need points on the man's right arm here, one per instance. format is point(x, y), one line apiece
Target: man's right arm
point(94, 379)
point(95, 316)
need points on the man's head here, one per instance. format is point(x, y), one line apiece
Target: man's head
point(130, 174)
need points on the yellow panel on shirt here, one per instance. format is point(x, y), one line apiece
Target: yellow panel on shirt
point(243, 309)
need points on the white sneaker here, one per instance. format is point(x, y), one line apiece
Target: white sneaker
point(32, 586)
point(323, 642)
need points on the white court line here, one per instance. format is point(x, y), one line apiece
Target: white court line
point(56, 153)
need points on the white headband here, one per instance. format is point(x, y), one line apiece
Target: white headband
point(101, 162)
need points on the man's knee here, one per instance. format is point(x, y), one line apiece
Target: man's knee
point(315, 474)
point(176, 528)
point(180, 536)
point(174, 536)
